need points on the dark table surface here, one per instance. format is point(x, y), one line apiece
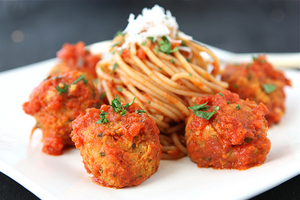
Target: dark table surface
point(33, 31)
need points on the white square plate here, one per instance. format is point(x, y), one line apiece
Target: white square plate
point(64, 177)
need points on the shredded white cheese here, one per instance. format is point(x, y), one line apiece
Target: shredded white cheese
point(154, 23)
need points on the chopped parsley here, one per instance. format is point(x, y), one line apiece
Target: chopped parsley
point(102, 95)
point(120, 53)
point(116, 44)
point(144, 43)
point(116, 104)
point(183, 43)
point(65, 88)
point(81, 77)
point(123, 113)
point(119, 89)
point(190, 74)
point(151, 39)
point(138, 111)
point(115, 66)
point(119, 32)
point(235, 86)
point(103, 118)
point(129, 104)
point(254, 58)
point(172, 61)
point(188, 60)
point(165, 46)
point(199, 107)
point(238, 107)
point(228, 102)
point(269, 88)
point(198, 111)
point(221, 95)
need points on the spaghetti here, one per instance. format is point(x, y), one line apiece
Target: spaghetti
point(165, 71)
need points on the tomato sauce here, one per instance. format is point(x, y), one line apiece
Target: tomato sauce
point(123, 151)
point(54, 112)
point(234, 137)
point(248, 81)
point(77, 57)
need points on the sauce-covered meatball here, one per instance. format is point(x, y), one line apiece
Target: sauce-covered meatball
point(76, 57)
point(119, 145)
point(56, 102)
point(259, 82)
point(225, 132)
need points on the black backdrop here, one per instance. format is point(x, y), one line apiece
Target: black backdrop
point(32, 31)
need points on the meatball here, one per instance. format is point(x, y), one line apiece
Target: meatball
point(76, 57)
point(259, 82)
point(56, 102)
point(225, 132)
point(119, 149)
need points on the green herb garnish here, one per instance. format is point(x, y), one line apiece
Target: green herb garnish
point(119, 89)
point(199, 107)
point(172, 61)
point(269, 88)
point(165, 46)
point(116, 104)
point(129, 104)
point(103, 118)
point(221, 95)
point(123, 112)
point(144, 43)
point(138, 111)
point(238, 107)
point(198, 111)
point(102, 95)
point(81, 77)
point(119, 32)
point(151, 39)
point(235, 86)
point(65, 89)
point(115, 66)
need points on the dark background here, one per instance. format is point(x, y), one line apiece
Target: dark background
point(32, 31)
